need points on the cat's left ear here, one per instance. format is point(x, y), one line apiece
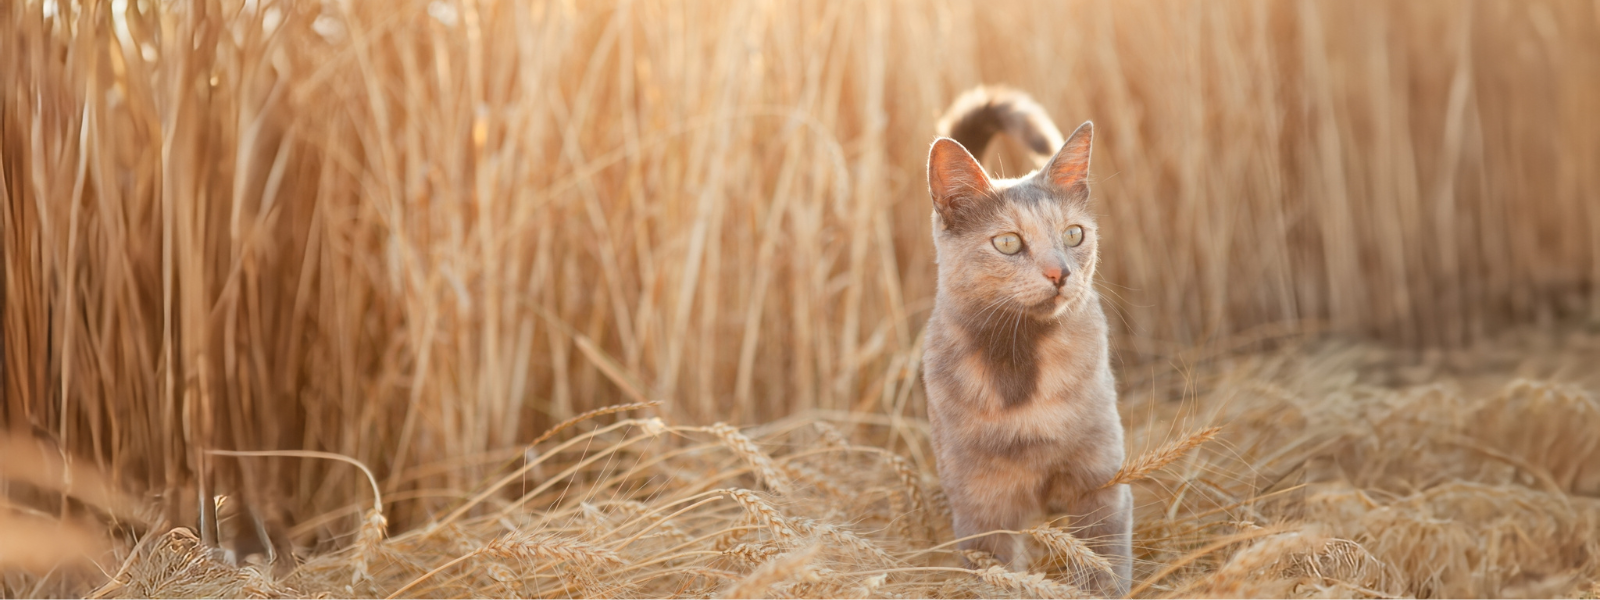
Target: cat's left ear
point(1068, 171)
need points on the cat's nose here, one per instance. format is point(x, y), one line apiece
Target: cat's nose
point(1057, 275)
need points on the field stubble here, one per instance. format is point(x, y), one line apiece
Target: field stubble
point(1339, 470)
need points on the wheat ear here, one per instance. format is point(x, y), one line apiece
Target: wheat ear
point(1069, 547)
point(979, 559)
point(788, 566)
point(747, 450)
point(766, 515)
point(840, 536)
point(598, 412)
point(753, 554)
point(573, 552)
point(369, 544)
point(1154, 460)
point(1035, 584)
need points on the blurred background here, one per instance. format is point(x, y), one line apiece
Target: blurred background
point(418, 233)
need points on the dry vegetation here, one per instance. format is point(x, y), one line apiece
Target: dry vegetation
point(419, 234)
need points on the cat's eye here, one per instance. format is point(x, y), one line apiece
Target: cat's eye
point(1008, 243)
point(1073, 236)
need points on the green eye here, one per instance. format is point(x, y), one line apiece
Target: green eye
point(1073, 236)
point(1008, 243)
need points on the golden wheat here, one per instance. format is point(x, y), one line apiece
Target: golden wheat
point(597, 535)
point(432, 237)
point(1034, 584)
point(842, 537)
point(753, 554)
point(1149, 462)
point(766, 515)
point(1067, 547)
point(596, 413)
point(793, 564)
point(573, 552)
point(750, 453)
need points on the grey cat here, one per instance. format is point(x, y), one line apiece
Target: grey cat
point(1020, 393)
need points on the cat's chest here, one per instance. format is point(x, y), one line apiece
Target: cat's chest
point(1056, 386)
point(1018, 383)
point(1055, 373)
point(969, 408)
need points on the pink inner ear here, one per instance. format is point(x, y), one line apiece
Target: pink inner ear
point(1070, 167)
point(952, 172)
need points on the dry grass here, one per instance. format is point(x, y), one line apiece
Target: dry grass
point(419, 234)
point(1336, 474)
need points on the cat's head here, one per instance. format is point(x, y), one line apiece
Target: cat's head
point(1026, 245)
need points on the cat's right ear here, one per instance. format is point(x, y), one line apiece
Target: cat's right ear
point(1068, 170)
point(955, 179)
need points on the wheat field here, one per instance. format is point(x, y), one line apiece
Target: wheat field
point(624, 298)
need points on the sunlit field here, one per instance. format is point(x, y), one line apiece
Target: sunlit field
point(462, 298)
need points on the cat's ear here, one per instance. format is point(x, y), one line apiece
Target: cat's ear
point(955, 179)
point(1068, 171)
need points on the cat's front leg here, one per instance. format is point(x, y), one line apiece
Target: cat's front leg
point(1103, 519)
point(983, 504)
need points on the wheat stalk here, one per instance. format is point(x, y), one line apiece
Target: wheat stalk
point(1035, 584)
point(1067, 546)
point(869, 586)
point(753, 554)
point(810, 477)
point(746, 449)
point(979, 559)
point(732, 534)
point(910, 479)
point(369, 544)
point(573, 552)
point(581, 556)
point(831, 437)
point(373, 524)
point(1255, 566)
point(788, 530)
point(766, 515)
point(1339, 560)
point(1154, 460)
point(836, 534)
point(636, 509)
point(789, 566)
point(598, 412)
point(255, 584)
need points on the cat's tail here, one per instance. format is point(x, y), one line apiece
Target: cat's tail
point(983, 111)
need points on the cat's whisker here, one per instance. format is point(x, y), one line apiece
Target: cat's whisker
point(992, 309)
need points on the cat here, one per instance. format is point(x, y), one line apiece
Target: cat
point(1021, 398)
